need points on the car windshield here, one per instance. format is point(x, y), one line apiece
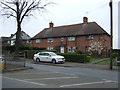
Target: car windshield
point(53, 54)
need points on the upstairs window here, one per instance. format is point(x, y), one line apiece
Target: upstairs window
point(90, 37)
point(50, 40)
point(62, 39)
point(71, 38)
point(38, 41)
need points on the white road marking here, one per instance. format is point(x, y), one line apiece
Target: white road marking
point(108, 81)
point(66, 73)
point(32, 73)
point(51, 78)
point(24, 81)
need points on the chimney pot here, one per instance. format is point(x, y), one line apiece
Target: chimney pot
point(85, 20)
point(51, 25)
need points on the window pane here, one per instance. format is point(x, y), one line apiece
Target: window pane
point(71, 38)
point(50, 40)
point(37, 41)
point(71, 49)
point(90, 37)
point(49, 48)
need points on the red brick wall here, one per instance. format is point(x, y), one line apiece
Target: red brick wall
point(81, 42)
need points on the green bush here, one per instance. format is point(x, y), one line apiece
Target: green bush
point(24, 48)
point(81, 58)
point(30, 53)
point(9, 48)
point(114, 55)
point(55, 51)
point(38, 48)
point(88, 58)
point(79, 52)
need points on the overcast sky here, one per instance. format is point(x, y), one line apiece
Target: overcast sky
point(66, 12)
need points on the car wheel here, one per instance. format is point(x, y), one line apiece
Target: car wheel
point(53, 61)
point(37, 60)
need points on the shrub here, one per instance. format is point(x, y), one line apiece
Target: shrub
point(82, 58)
point(30, 53)
point(114, 55)
point(88, 59)
point(79, 52)
point(9, 48)
point(25, 48)
point(38, 48)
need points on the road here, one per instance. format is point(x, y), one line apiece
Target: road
point(46, 76)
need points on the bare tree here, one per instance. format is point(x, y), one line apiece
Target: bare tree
point(19, 9)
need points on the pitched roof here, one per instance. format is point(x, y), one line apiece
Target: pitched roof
point(4, 39)
point(90, 28)
point(23, 36)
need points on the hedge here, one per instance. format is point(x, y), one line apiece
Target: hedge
point(30, 53)
point(81, 58)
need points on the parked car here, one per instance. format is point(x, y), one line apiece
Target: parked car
point(48, 57)
point(1, 59)
point(1, 62)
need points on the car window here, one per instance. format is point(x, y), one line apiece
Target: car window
point(41, 53)
point(53, 54)
point(1, 59)
point(46, 54)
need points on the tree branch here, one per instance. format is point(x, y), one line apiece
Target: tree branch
point(9, 7)
point(9, 15)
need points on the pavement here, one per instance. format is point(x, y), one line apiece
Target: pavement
point(66, 64)
point(77, 65)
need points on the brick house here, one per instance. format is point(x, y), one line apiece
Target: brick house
point(24, 37)
point(10, 41)
point(87, 37)
point(5, 41)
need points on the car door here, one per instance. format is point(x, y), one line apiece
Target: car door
point(47, 57)
point(41, 56)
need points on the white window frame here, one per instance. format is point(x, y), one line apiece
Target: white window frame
point(12, 42)
point(50, 48)
point(50, 40)
point(71, 38)
point(8, 42)
point(37, 41)
point(71, 48)
point(90, 37)
point(62, 39)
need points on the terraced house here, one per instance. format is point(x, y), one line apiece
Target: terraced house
point(87, 37)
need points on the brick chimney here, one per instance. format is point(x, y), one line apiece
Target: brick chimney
point(85, 20)
point(51, 25)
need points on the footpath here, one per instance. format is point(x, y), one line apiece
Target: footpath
point(67, 64)
point(78, 65)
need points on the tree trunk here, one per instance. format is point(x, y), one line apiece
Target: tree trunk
point(18, 41)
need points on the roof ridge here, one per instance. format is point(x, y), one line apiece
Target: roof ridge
point(70, 30)
point(70, 25)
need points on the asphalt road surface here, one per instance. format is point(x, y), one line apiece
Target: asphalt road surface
point(45, 76)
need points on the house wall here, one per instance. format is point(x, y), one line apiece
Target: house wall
point(80, 43)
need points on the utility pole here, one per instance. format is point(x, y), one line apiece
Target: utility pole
point(111, 32)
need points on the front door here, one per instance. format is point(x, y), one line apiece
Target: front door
point(62, 50)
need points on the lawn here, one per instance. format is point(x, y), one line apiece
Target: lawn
point(104, 62)
point(95, 59)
